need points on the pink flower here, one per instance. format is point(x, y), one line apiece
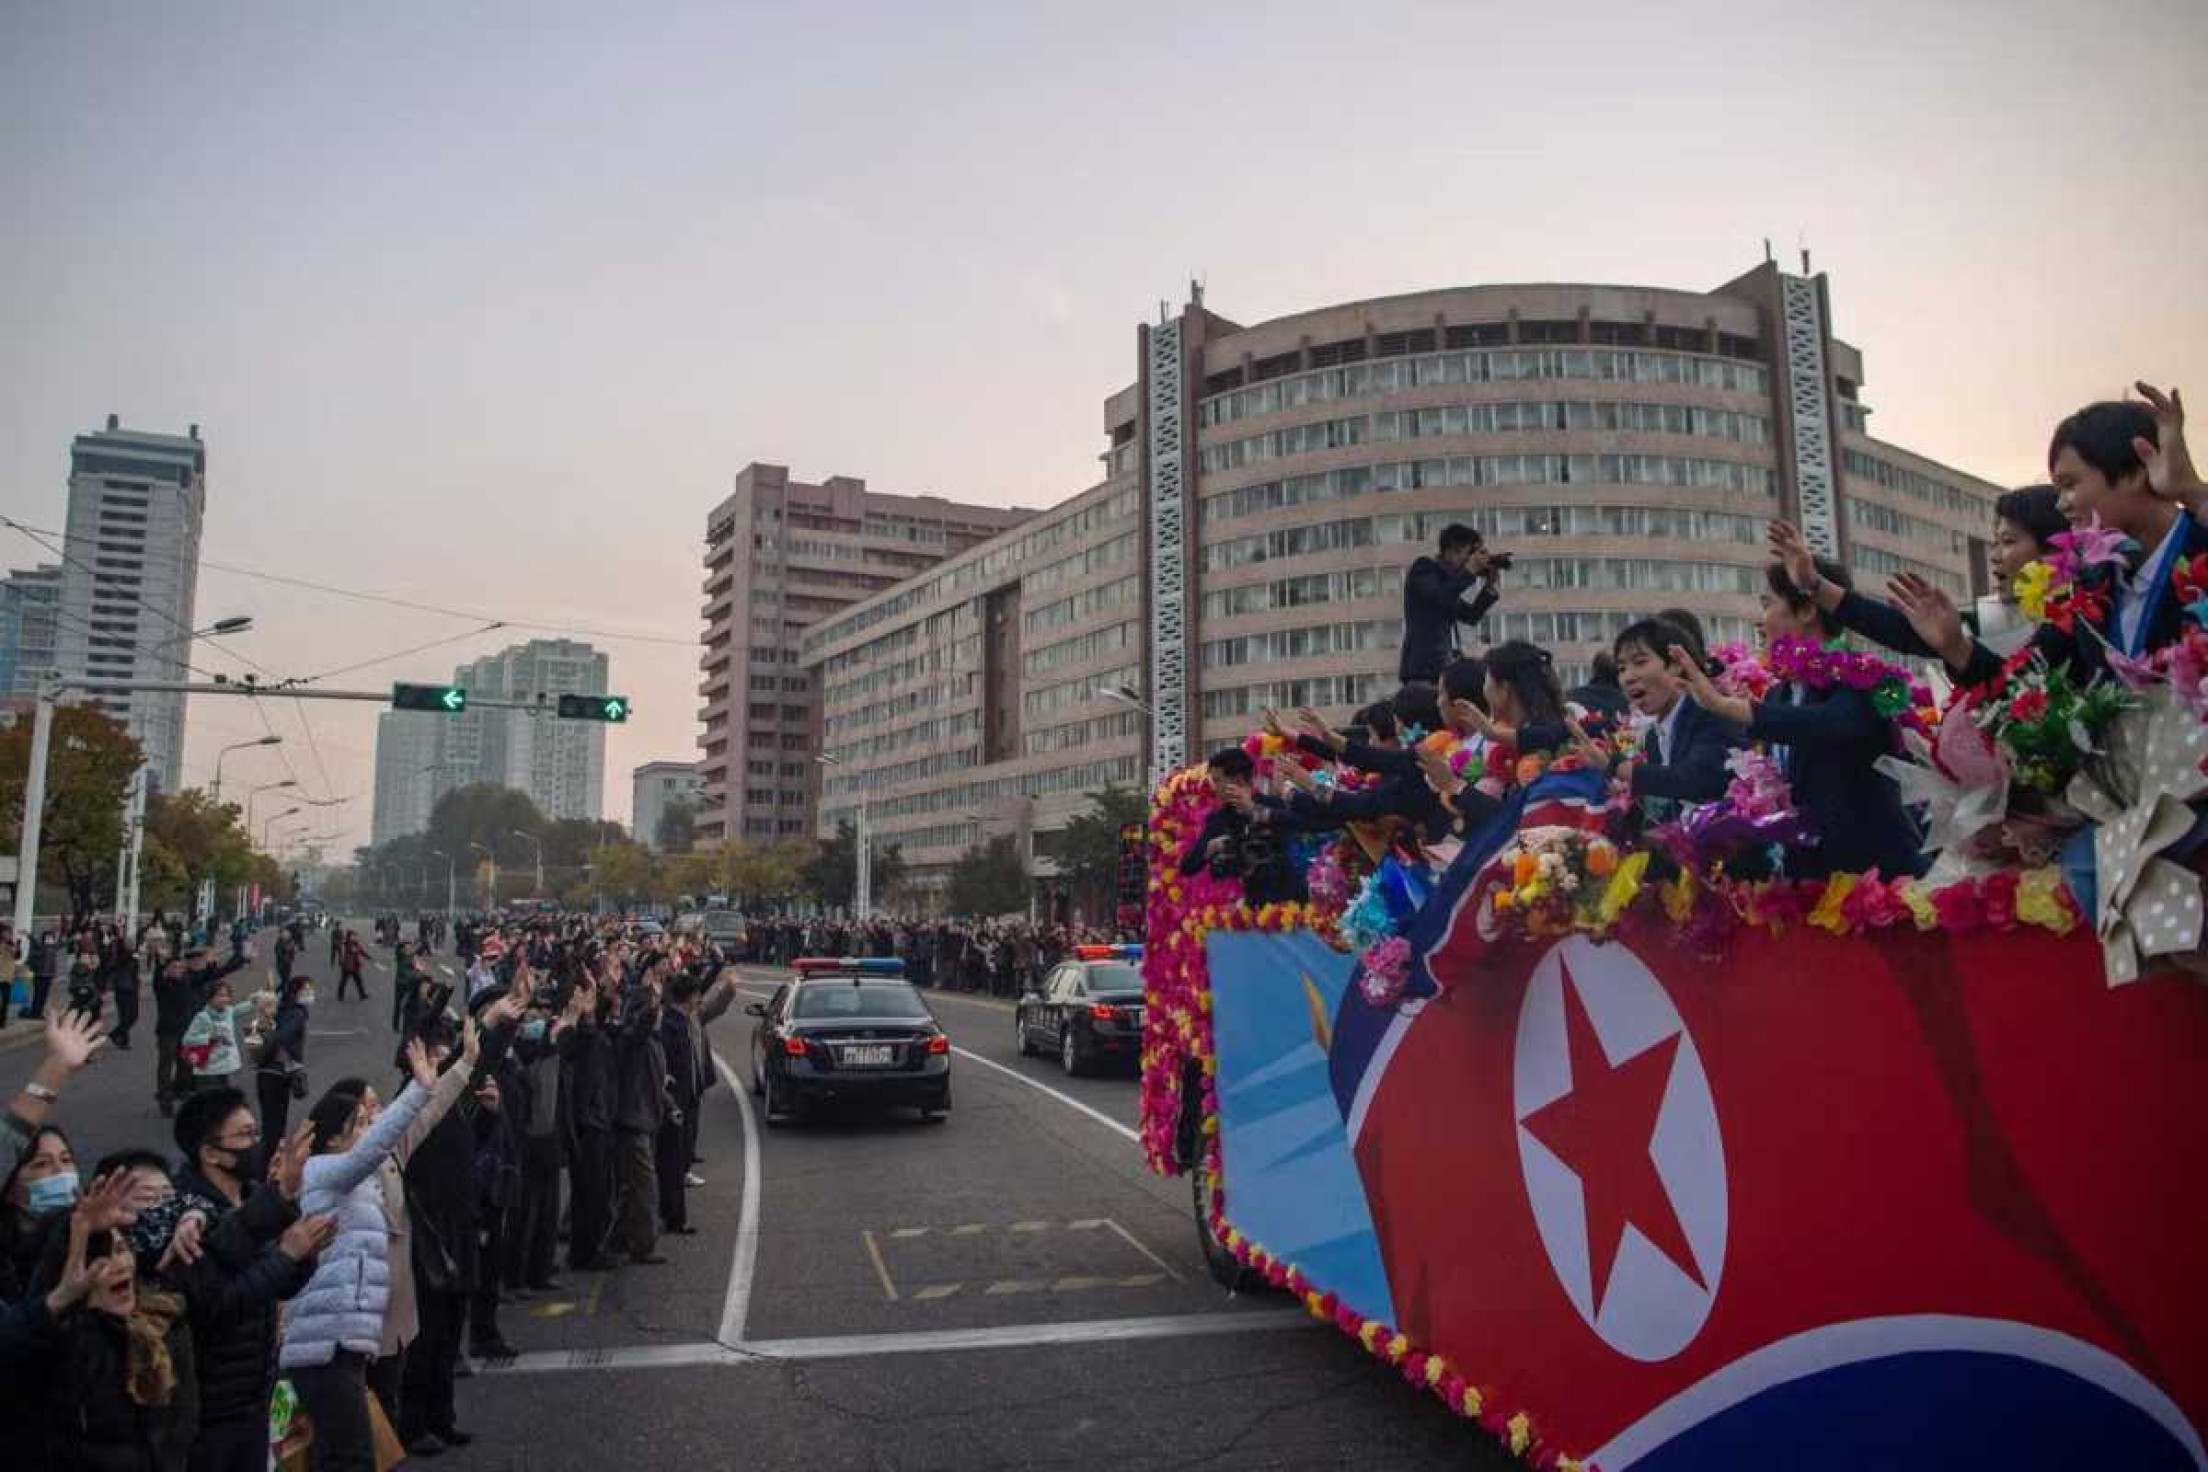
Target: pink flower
point(1387, 968)
point(2091, 546)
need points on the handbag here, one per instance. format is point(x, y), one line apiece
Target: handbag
point(298, 1078)
point(436, 1267)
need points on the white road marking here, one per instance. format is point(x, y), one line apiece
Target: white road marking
point(874, 1250)
point(1129, 1238)
point(910, 1232)
point(1004, 1286)
point(1031, 1226)
point(1064, 1098)
point(969, 1229)
point(736, 1307)
point(935, 1290)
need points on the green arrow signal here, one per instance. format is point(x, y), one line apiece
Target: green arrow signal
point(616, 709)
point(452, 700)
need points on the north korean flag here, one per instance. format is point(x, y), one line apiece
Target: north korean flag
point(1896, 1202)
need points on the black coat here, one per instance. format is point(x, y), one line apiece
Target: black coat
point(442, 1191)
point(1691, 766)
point(586, 1077)
point(1833, 740)
point(1433, 605)
point(640, 1071)
point(235, 1290)
point(92, 1425)
point(177, 997)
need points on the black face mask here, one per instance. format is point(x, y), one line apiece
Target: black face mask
point(249, 1165)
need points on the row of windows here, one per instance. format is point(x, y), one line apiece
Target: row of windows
point(85, 462)
point(1077, 734)
point(985, 571)
point(1901, 524)
point(874, 712)
point(1674, 522)
point(1114, 553)
point(936, 835)
point(769, 684)
point(1087, 646)
point(1082, 607)
point(1500, 365)
point(1321, 587)
point(1302, 643)
point(1599, 626)
point(1517, 417)
point(1636, 574)
point(1035, 704)
point(1319, 693)
point(958, 729)
point(1915, 484)
point(1875, 564)
point(969, 796)
point(754, 768)
point(1352, 481)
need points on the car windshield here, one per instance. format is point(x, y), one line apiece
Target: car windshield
point(1112, 978)
point(840, 998)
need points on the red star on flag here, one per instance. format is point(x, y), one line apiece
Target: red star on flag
point(1601, 1131)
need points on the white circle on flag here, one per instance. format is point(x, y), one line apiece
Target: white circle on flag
point(1619, 1145)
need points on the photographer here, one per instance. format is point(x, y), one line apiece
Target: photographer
point(1433, 600)
point(1238, 840)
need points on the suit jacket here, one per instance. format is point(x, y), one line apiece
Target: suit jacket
point(1432, 608)
point(1690, 767)
point(1833, 740)
point(2085, 654)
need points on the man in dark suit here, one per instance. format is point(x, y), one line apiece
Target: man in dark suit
point(1433, 601)
point(1683, 754)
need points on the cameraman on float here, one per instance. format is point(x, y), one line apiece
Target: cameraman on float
point(1433, 601)
point(1239, 839)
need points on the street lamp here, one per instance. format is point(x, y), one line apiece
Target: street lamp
point(438, 853)
point(256, 792)
point(268, 740)
point(237, 623)
point(1125, 695)
point(273, 820)
point(538, 844)
point(862, 895)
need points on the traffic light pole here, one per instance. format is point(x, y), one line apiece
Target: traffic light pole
point(42, 740)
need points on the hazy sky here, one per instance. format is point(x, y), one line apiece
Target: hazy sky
point(483, 306)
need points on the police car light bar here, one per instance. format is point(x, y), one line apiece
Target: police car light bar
point(1108, 953)
point(865, 965)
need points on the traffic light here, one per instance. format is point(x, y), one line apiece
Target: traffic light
point(613, 708)
point(450, 699)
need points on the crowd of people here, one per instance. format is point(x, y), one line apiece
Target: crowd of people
point(995, 957)
point(2113, 533)
point(348, 1241)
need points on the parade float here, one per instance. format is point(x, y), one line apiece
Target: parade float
point(1641, 1165)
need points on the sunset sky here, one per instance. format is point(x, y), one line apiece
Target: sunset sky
point(482, 306)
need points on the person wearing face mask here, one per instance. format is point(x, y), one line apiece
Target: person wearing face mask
point(280, 1074)
point(536, 1110)
point(39, 1190)
point(121, 1387)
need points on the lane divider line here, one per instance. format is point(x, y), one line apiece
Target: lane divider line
point(736, 1306)
point(881, 1269)
point(1129, 1238)
point(1062, 1097)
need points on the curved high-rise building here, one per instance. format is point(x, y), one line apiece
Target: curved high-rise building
point(1266, 486)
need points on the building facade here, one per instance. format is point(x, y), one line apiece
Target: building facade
point(130, 577)
point(1266, 486)
point(655, 787)
point(780, 555)
point(406, 781)
point(30, 628)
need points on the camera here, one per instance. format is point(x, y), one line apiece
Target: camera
point(1499, 561)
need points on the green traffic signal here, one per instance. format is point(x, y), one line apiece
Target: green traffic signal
point(448, 699)
point(610, 708)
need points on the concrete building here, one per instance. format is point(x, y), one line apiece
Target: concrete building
point(657, 785)
point(406, 783)
point(560, 764)
point(130, 576)
point(780, 555)
point(1264, 488)
point(30, 628)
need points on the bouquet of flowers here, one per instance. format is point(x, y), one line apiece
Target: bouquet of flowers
point(1756, 812)
point(1742, 672)
point(2045, 724)
point(1556, 880)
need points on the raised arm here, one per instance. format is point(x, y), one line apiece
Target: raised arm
point(340, 1173)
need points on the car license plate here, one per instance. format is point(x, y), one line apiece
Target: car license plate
point(872, 1055)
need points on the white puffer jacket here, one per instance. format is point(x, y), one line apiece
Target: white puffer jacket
point(342, 1306)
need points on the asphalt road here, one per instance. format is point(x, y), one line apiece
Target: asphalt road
point(1009, 1288)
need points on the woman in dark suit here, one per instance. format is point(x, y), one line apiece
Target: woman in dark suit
point(1828, 742)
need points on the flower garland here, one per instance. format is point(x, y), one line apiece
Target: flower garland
point(1895, 693)
point(1562, 880)
point(1741, 671)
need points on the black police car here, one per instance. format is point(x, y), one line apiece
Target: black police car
point(1088, 1009)
point(848, 1031)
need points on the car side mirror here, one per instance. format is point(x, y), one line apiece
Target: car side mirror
point(756, 1009)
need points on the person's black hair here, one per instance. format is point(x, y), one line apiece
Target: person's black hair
point(335, 1110)
point(135, 1157)
point(1687, 621)
point(1465, 679)
point(30, 1148)
point(1232, 761)
point(1418, 704)
point(2102, 434)
point(1456, 534)
point(1529, 673)
point(201, 1114)
point(2035, 511)
point(298, 983)
point(1782, 587)
point(1657, 636)
point(1602, 670)
point(1378, 718)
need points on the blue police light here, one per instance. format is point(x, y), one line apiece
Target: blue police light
point(879, 965)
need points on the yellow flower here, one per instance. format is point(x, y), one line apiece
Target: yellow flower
point(1368, 1333)
point(1623, 885)
point(1827, 915)
point(2032, 586)
point(1919, 900)
point(1436, 1368)
point(1472, 1403)
point(1521, 1433)
point(1398, 1347)
point(2039, 900)
point(1679, 898)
